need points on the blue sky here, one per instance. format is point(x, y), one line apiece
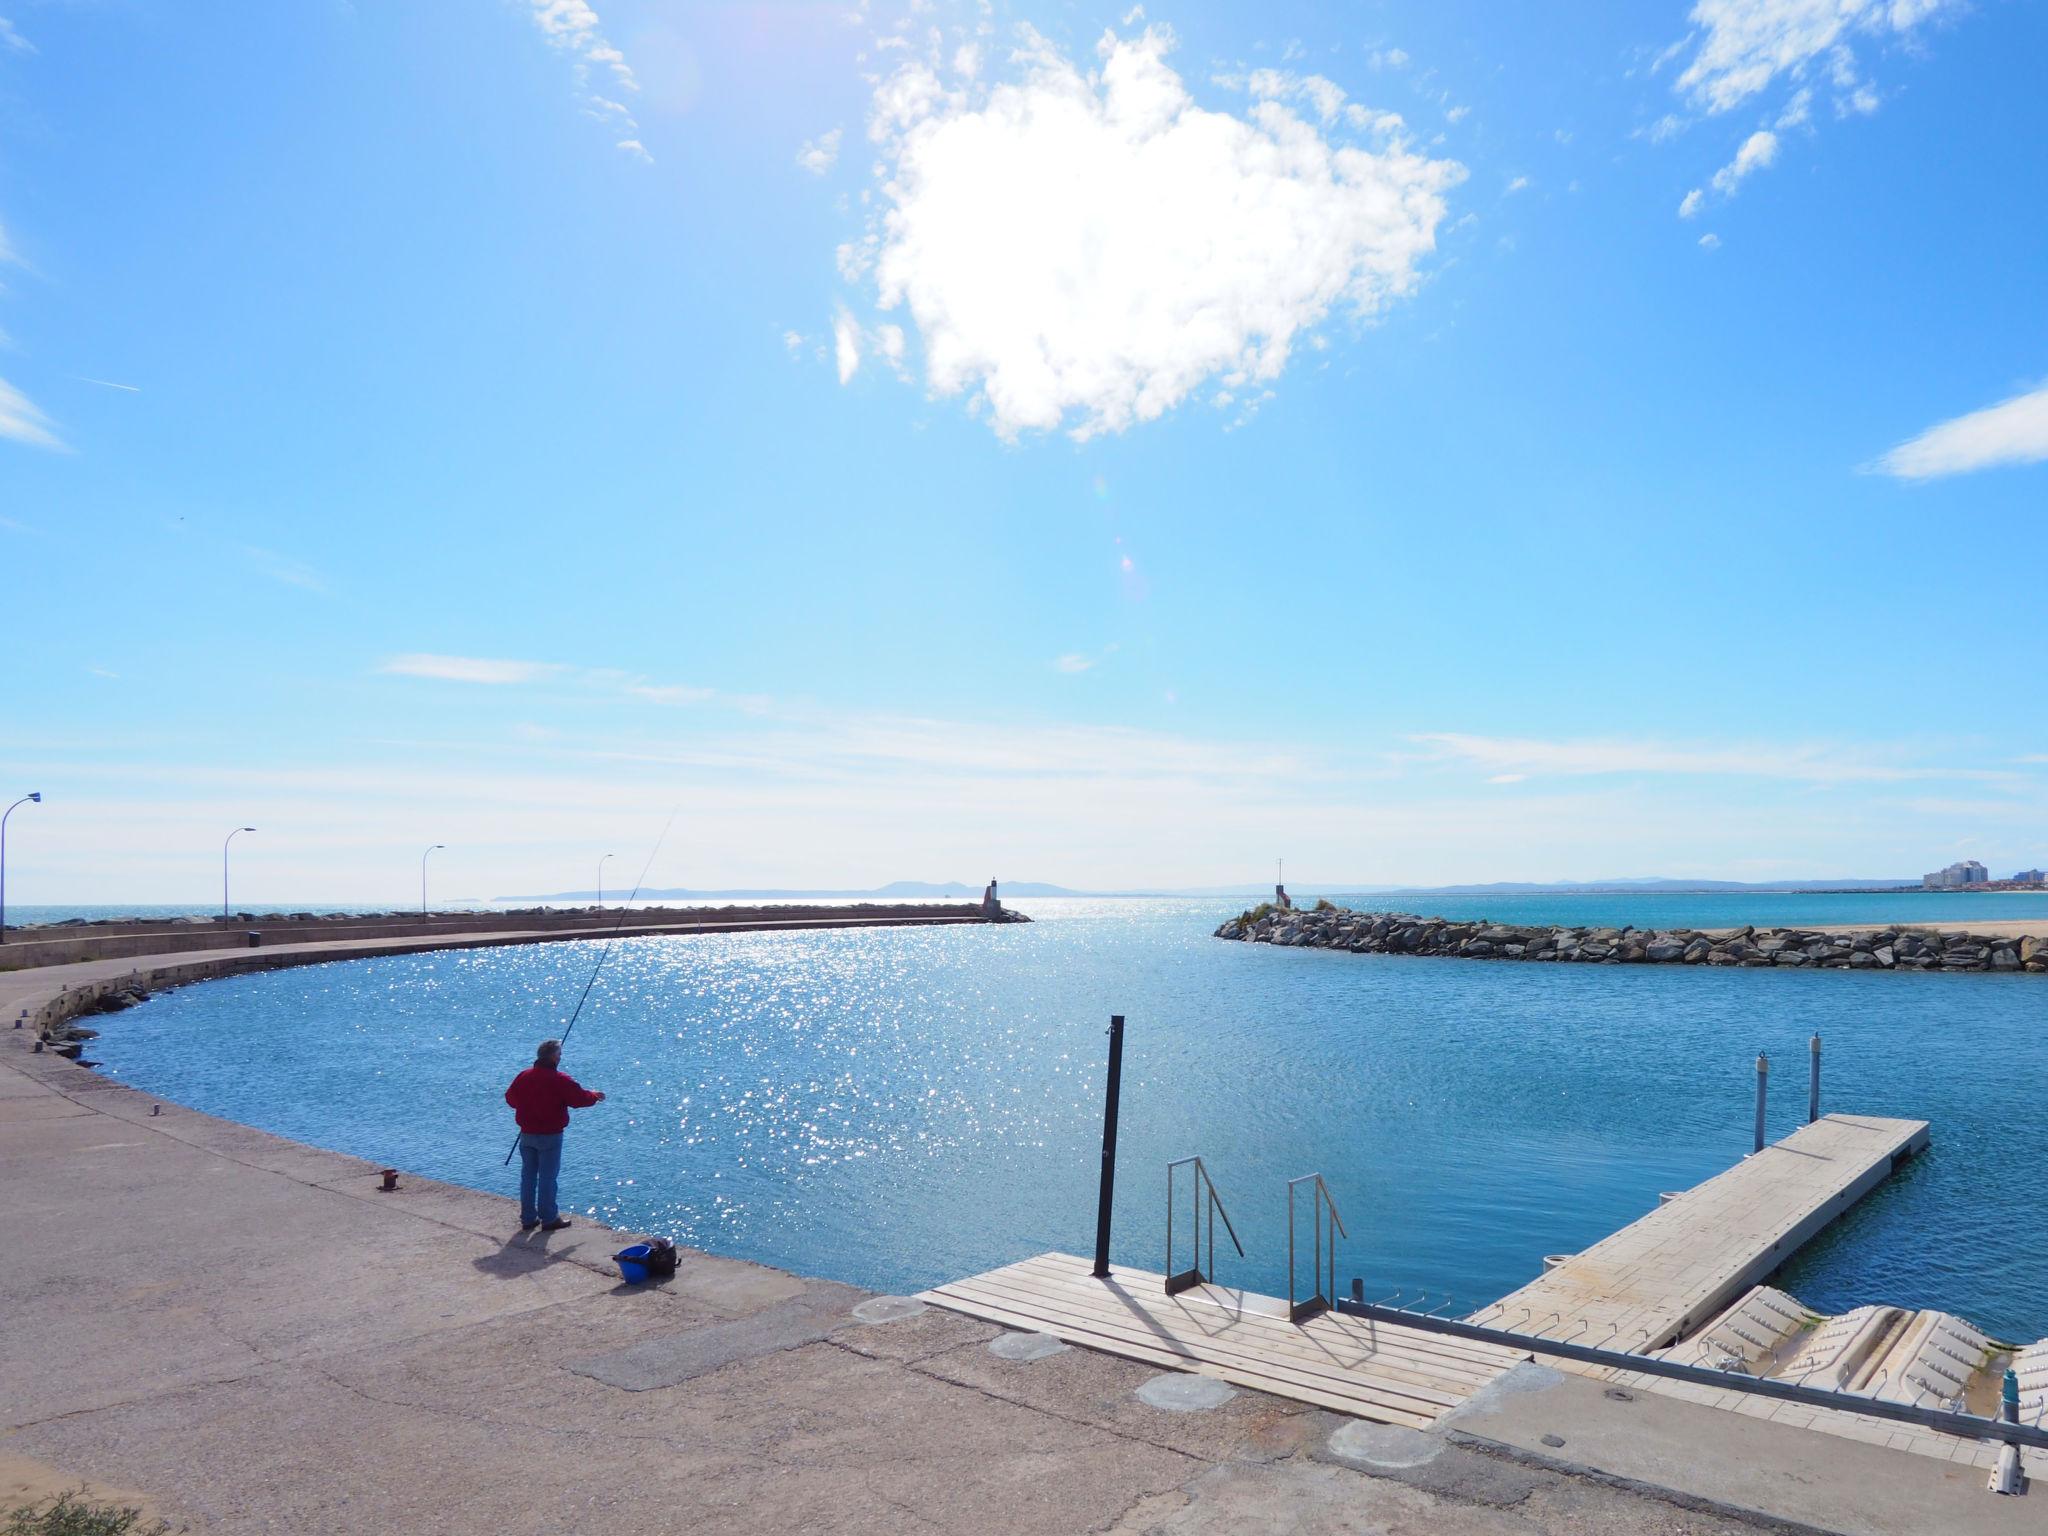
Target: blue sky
point(1429, 442)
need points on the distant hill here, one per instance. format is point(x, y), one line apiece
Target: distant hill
point(1639, 884)
point(896, 890)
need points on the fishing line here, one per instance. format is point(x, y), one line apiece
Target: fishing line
point(605, 953)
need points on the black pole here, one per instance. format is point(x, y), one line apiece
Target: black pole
point(1109, 1103)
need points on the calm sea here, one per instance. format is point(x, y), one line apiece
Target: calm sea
point(895, 1107)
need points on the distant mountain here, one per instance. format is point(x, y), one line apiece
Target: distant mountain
point(896, 890)
point(1636, 885)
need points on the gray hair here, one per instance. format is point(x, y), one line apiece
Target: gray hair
point(548, 1054)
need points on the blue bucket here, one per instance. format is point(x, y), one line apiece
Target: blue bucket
point(632, 1262)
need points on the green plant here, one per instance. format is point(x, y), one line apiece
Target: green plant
point(1324, 904)
point(1252, 914)
point(72, 1514)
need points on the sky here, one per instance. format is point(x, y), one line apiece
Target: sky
point(1117, 447)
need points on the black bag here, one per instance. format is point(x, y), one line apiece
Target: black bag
point(661, 1259)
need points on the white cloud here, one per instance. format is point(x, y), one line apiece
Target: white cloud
point(573, 28)
point(1457, 114)
point(846, 345)
point(2014, 431)
point(1690, 204)
point(1758, 151)
point(1073, 661)
point(1388, 58)
point(819, 155)
point(1798, 110)
point(22, 422)
point(469, 669)
point(1747, 44)
point(792, 342)
point(1085, 250)
point(1799, 764)
point(1518, 184)
point(1710, 241)
point(11, 40)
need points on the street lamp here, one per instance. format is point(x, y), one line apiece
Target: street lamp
point(24, 800)
point(423, 878)
point(224, 870)
point(600, 877)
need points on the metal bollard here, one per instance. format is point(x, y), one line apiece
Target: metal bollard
point(1763, 1077)
point(1813, 1082)
point(2007, 1476)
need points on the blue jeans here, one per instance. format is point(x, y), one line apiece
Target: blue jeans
point(540, 1164)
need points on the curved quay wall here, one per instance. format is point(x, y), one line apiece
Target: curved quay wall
point(42, 1001)
point(1875, 949)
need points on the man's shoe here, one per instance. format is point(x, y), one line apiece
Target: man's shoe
point(556, 1225)
point(528, 1226)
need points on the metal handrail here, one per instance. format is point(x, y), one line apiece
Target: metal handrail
point(1964, 1425)
point(1320, 1300)
point(1195, 1275)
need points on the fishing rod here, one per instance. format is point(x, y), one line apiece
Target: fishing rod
point(605, 953)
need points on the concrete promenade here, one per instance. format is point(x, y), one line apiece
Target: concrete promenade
point(243, 1333)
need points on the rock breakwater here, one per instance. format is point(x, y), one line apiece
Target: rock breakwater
point(1402, 933)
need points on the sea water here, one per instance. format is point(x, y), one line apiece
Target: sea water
point(895, 1107)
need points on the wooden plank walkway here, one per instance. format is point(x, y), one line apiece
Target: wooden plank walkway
point(1677, 1268)
point(1388, 1374)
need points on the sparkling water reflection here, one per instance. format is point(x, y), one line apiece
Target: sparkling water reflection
point(895, 1106)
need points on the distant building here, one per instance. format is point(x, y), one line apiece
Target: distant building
point(1957, 876)
point(2030, 877)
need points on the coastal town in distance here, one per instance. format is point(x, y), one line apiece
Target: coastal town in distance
point(961, 766)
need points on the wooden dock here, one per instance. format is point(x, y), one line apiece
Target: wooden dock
point(1658, 1278)
point(1641, 1289)
point(1372, 1370)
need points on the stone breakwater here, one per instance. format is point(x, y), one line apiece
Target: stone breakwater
point(1401, 933)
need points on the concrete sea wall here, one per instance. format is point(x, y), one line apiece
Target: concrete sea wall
point(1876, 949)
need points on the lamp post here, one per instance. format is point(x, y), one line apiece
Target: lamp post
point(224, 870)
point(24, 800)
point(600, 877)
point(423, 878)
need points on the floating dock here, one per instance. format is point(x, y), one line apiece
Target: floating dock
point(1676, 1269)
point(1640, 1290)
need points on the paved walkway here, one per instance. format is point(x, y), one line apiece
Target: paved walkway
point(242, 1332)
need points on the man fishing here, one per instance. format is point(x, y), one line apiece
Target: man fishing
point(541, 1098)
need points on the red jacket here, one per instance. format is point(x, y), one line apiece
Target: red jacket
point(541, 1098)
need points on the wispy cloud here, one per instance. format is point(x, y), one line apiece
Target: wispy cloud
point(21, 421)
point(11, 41)
point(293, 573)
point(1747, 44)
point(470, 669)
point(133, 389)
point(1800, 763)
point(819, 155)
point(1073, 661)
point(573, 28)
point(1747, 47)
point(2014, 431)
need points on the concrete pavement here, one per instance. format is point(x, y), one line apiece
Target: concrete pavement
point(244, 1332)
